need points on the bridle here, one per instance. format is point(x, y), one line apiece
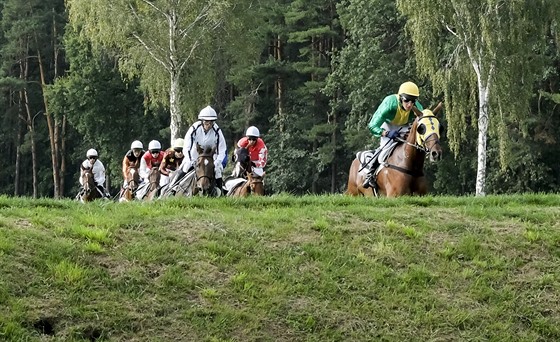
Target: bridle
point(211, 179)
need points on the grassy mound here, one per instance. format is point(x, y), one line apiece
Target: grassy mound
point(281, 268)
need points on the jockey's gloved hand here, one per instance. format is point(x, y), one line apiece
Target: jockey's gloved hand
point(394, 133)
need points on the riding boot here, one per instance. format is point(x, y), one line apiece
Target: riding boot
point(369, 176)
point(219, 183)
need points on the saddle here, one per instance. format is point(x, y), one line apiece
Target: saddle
point(369, 158)
point(233, 183)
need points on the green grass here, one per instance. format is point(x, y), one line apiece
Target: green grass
point(281, 268)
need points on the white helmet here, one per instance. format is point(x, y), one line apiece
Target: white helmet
point(91, 153)
point(179, 142)
point(154, 145)
point(136, 144)
point(207, 113)
point(253, 132)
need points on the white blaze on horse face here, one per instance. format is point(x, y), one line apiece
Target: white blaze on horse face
point(206, 162)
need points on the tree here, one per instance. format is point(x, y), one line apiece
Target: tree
point(158, 40)
point(488, 52)
point(31, 55)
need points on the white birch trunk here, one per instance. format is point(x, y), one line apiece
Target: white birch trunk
point(483, 77)
point(482, 139)
point(174, 95)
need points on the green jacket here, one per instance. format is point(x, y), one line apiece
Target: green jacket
point(391, 112)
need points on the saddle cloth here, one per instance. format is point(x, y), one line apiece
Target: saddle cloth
point(366, 157)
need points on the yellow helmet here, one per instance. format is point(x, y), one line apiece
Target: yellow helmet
point(409, 88)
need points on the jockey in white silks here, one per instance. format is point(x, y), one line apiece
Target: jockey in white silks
point(206, 133)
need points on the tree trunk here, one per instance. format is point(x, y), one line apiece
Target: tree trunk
point(482, 140)
point(176, 119)
point(53, 138)
point(30, 122)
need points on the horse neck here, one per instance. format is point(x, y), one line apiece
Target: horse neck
point(413, 158)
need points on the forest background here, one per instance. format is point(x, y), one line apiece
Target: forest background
point(80, 74)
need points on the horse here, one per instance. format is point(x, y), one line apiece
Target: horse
point(242, 161)
point(153, 184)
point(403, 171)
point(252, 186)
point(205, 183)
point(132, 181)
point(89, 190)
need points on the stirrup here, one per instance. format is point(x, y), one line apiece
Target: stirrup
point(367, 183)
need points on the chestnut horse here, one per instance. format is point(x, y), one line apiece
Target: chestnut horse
point(252, 186)
point(132, 181)
point(153, 184)
point(403, 171)
point(89, 190)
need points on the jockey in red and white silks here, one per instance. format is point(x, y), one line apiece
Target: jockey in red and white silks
point(150, 159)
point(257, 149)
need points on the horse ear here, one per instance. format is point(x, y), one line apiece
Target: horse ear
point(416, 111)
point(199, 148)
point(438, 108)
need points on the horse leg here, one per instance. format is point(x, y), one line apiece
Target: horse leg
point(355, 180)
point(419, 186)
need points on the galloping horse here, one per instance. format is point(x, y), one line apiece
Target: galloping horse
point(132, 180)
point(403, 171)
point(204, 172)
point(89, 191)
point(242, 161)
point(252, 186)
point(153, 184)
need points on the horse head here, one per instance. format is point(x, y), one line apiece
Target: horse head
point(256, 184)
point(88, 183)
point(242, 162)
point(132, 179)
point(204, 170)
point(425, 132)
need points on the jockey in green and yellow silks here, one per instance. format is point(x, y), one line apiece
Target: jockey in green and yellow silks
point(395, 111)
point(391, 117)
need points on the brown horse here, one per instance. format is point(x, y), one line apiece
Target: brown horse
point(89, 190)
point(204, 172)
point(153, 184)
point(403, 172)
point(252, 186)
point(132, 180)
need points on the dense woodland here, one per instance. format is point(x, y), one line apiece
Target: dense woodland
point(80, 74)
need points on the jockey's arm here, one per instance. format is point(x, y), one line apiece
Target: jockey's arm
point(144, 170)
point(222, 146)
point(125, 167)
point(384, 113)
point(99, 173)
point(263, 155)
point(163, 167)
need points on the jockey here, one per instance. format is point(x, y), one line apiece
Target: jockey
point(257, 149)
point(150, 159)
point(132, 158)
point(393, 115)
point(173, 158)
point(206, 133)
point(97, 168)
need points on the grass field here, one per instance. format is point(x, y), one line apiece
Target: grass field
point(281, 268)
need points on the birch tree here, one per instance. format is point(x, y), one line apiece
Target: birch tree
point(485, 52)
point(156, 40)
